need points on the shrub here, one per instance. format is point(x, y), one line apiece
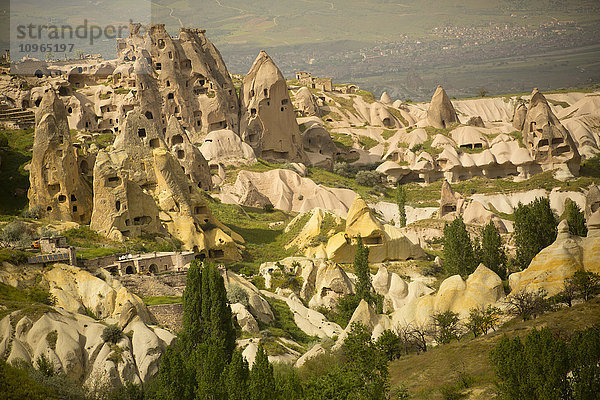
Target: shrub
point(527, 304)
point(368, 178)
point(535, 229)
point(35, 212)
point(575, 218)
point(446, 324)
point(458, 250)
point(237, 294)
point(41, 295)
point(13, 232)
point(51, 338)
point(268, 207)
point(112, 334)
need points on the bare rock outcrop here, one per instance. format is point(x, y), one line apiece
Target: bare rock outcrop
point(519, 116)
point(225, 147)
point(441, 113)
point(549, 143)
point(385, 242)
point(451, 203)
point(140, 187)
point(481, 288)
point(305, 103)
point(56, 184)
point(189, 156)
point(268, 121)
point(188, 76)
point(559, 261)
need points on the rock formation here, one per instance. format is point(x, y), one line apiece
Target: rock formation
point(592, 201)
point(559, 261)
point(56, 184)
point(481, 288)
point(189, 156)
point(451, 203)
point(519, 116)
point(305, 103)
point(225, 147)
point(193, 83)
point(385, 242)
point(268, 121)
point(78, 349)
point(441, 113)
point(549, 143)
point(140, 187)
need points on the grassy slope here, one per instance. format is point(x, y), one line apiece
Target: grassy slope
point(14, 180)
point(425, 373)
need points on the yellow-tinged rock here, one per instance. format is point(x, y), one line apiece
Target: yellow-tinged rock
point(559, 261)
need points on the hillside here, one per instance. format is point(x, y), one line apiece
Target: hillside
point(467, 360)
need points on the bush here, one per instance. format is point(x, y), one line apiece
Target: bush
point(458, 250)
point(268, 207)
point(34, 212)
point(535, 229)
point(237, 294)
point(40, 295)
point(446, 324)
point(259, 282)
point(112, 334)
point(14, 232)
point(344, 169)
point(575, 218)
point(527, 304)
point(368, 178)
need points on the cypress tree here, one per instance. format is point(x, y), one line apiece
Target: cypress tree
point(262, 381)
point(236, 377)
point(535, 229)
point(575, 218)
point(361, 269)
point(458, 250)
point(401, 202)
point(492, 250)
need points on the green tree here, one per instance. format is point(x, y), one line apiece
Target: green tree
point(492, 253)
point(586, 283)
point(536, 369)
point(575, 218)
point(196, 362)
point(401, 203)
point(584, 358)
point(236, 380)
point(362, 271)
point(446, 326)
point(366, 364)
point(390, 344)
point(527, 304)
point(458, 250)
point(535, 229)
point(262, 380)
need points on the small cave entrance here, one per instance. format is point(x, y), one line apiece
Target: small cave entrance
point(153, 268)
point(129, 270)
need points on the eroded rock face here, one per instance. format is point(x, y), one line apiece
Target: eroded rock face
point(441, 113)
point(189, 156)
point(193, 83)
point(140, 187)
point(226, 147)
point(481, 288)
point(451, 203)
point(549, 143)
point(268, 121)
point(56, 184)
point(305, 103)
point(568, 254)
point(385, 242)
point(519, 116)
point(73, 342)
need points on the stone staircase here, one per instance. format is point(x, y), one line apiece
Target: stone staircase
point(22, 117)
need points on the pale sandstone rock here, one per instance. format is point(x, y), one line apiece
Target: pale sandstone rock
point(56, 184)
point(441, 113)
point(314, 351)
point(553, 265)
point(385, 242)
point(268, 122)
point(245, 320)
